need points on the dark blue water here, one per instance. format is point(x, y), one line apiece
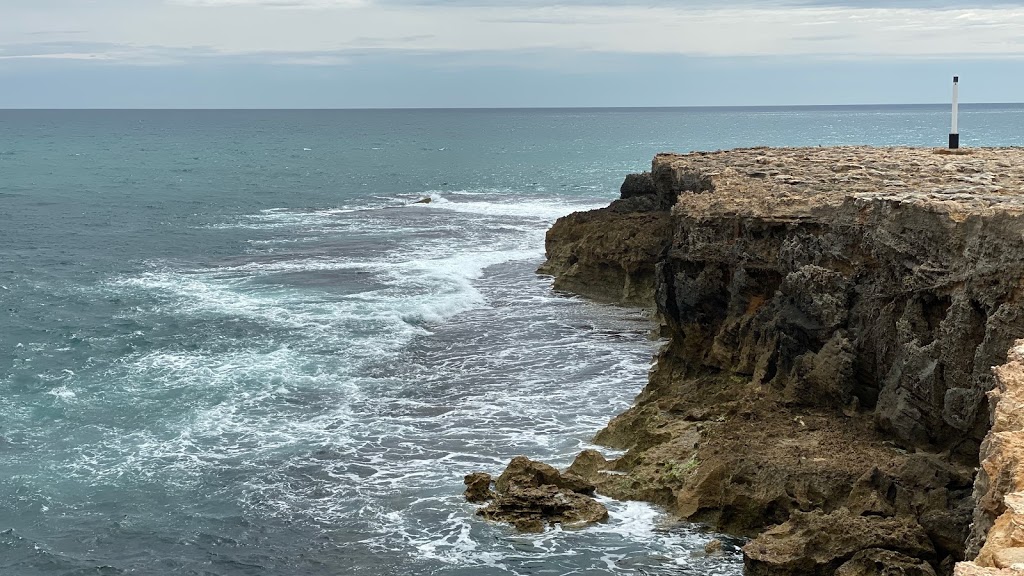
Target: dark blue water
point(229, 343)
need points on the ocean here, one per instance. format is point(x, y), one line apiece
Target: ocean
point(231, 343)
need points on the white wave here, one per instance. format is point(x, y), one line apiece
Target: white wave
point(63, 393)
point(343, 413)
point(293, 219)
point(521, 207)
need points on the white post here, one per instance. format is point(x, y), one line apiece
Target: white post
point(954, 133)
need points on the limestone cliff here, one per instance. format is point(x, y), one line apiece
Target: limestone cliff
point(997, 534)
point(833, 315)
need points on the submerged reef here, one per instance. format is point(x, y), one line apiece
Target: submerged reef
point(832, 318)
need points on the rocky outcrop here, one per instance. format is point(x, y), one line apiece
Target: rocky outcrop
point(997, 533)
point(832, 316)
point(478, 487)
point(608, 256)
point(532, 495)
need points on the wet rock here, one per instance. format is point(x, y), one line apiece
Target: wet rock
point(532, 509)
point(478, 487)
point(587, 464)
point(426, 200)
point(713, 546)
point(531, 495)
point(637, 185)
point(525, 473)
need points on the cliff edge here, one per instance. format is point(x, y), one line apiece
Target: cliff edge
point(832, 317)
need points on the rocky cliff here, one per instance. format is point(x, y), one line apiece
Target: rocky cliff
point(832, 317)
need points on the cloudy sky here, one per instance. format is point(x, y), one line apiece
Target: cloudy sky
point(455, 53)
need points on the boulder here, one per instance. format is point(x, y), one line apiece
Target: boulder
point(478, 487)
point(637, 185)
point(532, 509)
point(525, 473)
point(587, 464)
point(714, 546)
point(531, 495)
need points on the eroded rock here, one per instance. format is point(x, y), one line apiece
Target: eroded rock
point(816, 543)
point(533, 509)
point(532, 495)
point(525, 473)
point(478, 487)
point(608, 256)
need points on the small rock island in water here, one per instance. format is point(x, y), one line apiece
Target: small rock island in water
point(833, 317)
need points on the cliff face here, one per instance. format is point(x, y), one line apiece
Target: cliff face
point(608, 255)
point(833, 316)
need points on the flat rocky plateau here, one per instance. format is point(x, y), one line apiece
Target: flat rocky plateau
point(832, 317)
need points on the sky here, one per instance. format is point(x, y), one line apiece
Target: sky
point(504, 53)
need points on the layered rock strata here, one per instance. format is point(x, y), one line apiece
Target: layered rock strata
point(832, 317)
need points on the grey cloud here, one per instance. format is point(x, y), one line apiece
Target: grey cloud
point(373, 41)
point(823, 37)
point(198, 55)
point(56, 32)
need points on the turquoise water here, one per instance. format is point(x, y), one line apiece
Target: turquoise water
point(229, 343)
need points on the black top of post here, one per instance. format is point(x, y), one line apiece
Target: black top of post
point(956, 79)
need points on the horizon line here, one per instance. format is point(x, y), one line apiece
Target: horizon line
point(499, 108)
